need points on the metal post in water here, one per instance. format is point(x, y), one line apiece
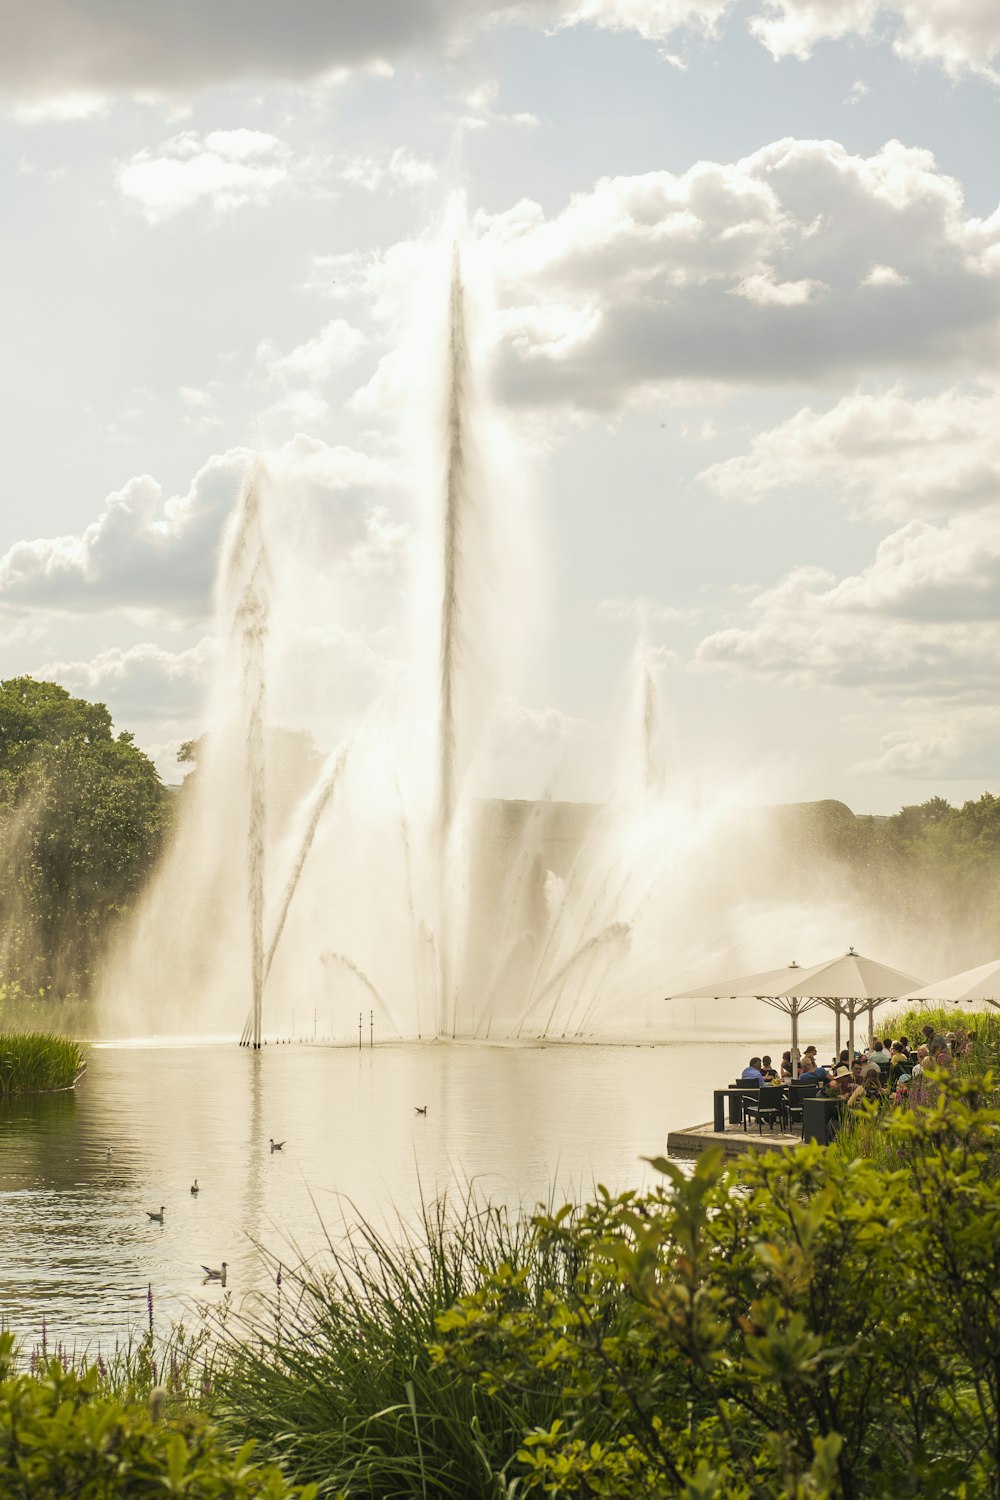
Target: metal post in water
point(371, 1028)
point(360, 1022)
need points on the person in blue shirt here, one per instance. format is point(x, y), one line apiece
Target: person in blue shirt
point(814, 1074)
point(752, 1074)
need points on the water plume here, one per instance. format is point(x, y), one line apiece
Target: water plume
point(246, 590)
point(320, 801)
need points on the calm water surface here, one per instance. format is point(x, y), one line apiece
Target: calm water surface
point(76, 1246)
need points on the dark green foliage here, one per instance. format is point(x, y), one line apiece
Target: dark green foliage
point(796, 1326)
point(82, 819)
point(61, 1437)
point(36, 1061)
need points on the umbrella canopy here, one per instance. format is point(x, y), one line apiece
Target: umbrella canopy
point(846, 985)
point(982, 983)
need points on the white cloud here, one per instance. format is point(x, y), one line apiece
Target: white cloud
point(55, 55)
point(145, 681)
point(149, 553)
point(765, 292)
point(887, 453)
point(959, 743)
point(632, 285)
point(961, 35)
point(399, 169)
point(316, 359)
point(885, 276)
point(225, 169)
point(923, 620)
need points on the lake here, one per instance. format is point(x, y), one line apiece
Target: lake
point(524, 1122)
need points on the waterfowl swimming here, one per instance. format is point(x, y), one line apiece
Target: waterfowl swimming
point(421, 1109)
point(108, 1152)
point(213, 1275)
point(156, 1218)
point(277, 1145)
point(194, 1186)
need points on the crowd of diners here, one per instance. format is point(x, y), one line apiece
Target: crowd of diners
point(888, 1069)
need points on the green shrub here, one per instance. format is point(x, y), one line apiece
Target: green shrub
point(60, 1438)
point(795, 1325)
point(38, 1061)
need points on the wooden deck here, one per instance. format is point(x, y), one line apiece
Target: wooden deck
point(734, 1140)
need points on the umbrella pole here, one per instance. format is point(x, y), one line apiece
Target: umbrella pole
point(836, 1033)
point(795, 1039)
point(871, 1024)
point(850, 1037)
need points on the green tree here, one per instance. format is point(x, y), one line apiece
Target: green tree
point(82, 818)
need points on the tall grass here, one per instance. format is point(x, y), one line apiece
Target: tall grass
point(335, 1379)
point(33, 1062)
point(862, 1131)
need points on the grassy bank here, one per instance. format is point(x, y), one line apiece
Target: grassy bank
point(36, 1062)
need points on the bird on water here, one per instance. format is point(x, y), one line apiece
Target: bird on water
point(277, 1145)
point(213, 1275)
point(156, 1218)
point(194, 1186)
point(421, 1109)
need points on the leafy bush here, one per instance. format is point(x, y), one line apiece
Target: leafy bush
point(796, 1325)
point(36, 1061)
point(61, 1438)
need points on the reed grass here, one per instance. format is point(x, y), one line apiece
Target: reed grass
point(35, 1062)
point(335, 1379)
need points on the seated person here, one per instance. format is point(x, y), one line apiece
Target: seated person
point(786, 1065)
point(812, 1071)
point(880, 1052)
point(765, 1067)
point(752, 1074)
point(870, 1090)
point(900, 1063)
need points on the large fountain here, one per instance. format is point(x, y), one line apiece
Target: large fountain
point(380, 891)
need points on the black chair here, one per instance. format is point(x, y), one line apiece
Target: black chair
point(766, 1106)
point(796, 1095)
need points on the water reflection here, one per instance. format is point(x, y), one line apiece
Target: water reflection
point(523, 1122)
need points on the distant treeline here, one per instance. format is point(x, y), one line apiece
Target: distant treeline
point(928, 876)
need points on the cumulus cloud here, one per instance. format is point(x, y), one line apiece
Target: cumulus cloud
point(225, 169)
point(923, 620)
point(885, 452)
point(960, 35)
point(148, 553)
point(315, 360)
point(771, 268)
point(70, 55)
point(143, 682)
point(960, 743)
point(398, 169)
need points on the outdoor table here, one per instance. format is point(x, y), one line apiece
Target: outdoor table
point(817, 1114)
point(734, 1093)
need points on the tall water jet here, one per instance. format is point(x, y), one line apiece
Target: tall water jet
point(246, 590)
point(457, 499)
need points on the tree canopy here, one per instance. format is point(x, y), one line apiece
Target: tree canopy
point(82, 819)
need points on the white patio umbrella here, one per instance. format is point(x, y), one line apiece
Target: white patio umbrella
point(982, 983)
point(775, 987)
point(847, 985)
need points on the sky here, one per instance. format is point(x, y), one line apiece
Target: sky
point(742, 262)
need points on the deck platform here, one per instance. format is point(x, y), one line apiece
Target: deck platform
point(734, 1140)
